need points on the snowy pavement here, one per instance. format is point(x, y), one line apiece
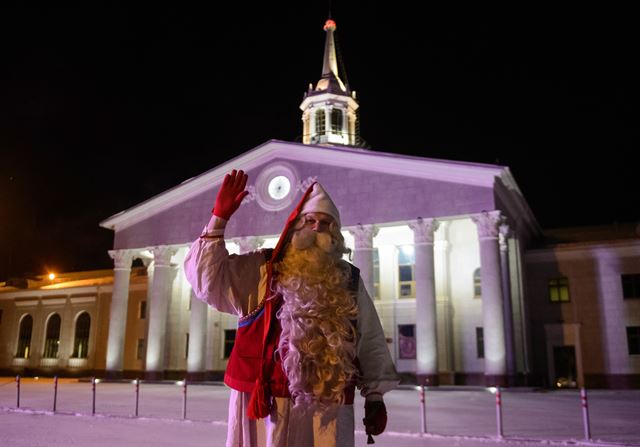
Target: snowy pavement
point(458, 416)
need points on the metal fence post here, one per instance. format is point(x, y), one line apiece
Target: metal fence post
point(499, 411)
point(93, 392)
point(55, 392)
point(137, 383)
point(184, 399)
point(18, 391)
point(423, 411)
point(585, 414)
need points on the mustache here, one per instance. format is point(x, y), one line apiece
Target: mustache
point(306, 238)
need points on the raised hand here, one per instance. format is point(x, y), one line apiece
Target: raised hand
point(231, 194)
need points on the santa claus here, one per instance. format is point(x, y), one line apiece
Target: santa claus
point(308, 333)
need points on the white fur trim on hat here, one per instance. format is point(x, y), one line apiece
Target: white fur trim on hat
point(320, 202)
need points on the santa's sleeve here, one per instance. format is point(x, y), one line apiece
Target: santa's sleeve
point(377, 371)
point(229, 283)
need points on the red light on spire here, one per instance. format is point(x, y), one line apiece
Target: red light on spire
point(329, 24)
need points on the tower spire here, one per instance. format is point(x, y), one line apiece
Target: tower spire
point(329, 111)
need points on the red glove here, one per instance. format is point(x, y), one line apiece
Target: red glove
point(375, 418)
point(231, 194)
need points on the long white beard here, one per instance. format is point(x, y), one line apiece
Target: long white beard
point(317, 343)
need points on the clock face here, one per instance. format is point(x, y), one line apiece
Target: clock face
point(279, 187)
point(276, 186)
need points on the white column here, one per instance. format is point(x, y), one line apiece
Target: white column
point(506, 296)
point(118, 311)
point(444, 309)
point(197, 336)
point(306, 127)
point(312, 123)
point(426, 330)
point(492, 303)
point(363, 254)
point(163, 274)
point(351, 116)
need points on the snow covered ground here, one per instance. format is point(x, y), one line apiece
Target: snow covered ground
point(458, 416)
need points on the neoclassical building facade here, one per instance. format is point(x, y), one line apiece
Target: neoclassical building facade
point(449, 251)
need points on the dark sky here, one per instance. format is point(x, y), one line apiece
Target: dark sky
point(101, 109)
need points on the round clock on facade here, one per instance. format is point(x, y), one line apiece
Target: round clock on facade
point(275, 186)
point(279, 187)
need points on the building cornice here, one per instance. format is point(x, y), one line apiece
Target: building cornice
point(582, 250)
point(56, 293)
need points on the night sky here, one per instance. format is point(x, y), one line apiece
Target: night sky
point(103, 109)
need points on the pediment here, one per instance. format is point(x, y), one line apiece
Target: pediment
point(368, 187)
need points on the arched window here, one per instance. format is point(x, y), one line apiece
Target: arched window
point(320, 122)
point(477, 283)
point(24, 337)
point(81, 340)
point(336, 121)
point(52, 342)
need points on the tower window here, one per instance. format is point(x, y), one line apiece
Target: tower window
point(336, 121)
point(320, 122)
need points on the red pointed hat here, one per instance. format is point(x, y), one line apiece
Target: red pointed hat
point(314, 200)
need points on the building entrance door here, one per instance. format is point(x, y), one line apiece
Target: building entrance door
point(564, 362)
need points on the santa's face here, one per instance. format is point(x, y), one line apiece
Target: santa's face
point(318, 222)
point(315, 229)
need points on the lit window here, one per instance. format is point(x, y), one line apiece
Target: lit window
point(81, 340)
point(376, 274)
point(320, 122)
point(52, 342)
point(633, 340)
point(229, 340)
point(631, 286)
point(477, 283)
point(480, 342)
point(407, 341)
point(140, 349)
point(559, 290)
point(24, 337)
point(336, 121)
point(406, 274)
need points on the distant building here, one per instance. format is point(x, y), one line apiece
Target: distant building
point(467, 290)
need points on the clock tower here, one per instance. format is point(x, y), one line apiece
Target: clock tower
point(329, 111)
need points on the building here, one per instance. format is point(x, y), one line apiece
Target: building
point(450, 252)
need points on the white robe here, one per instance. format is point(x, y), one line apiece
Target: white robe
point(236, 284)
